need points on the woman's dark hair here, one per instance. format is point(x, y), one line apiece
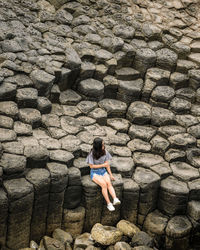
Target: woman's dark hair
point(97, 150)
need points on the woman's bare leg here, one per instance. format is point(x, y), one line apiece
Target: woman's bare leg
point(102, 183)
point(109, 185)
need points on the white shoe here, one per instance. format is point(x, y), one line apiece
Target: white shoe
point(116, 201)
point(110, 207)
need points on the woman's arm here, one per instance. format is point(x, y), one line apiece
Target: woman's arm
point(103, 165)
point(109, 171)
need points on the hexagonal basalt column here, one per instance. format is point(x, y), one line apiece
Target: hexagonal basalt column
point(130, 200)
point(59, 181)
point(149, 184)
point(173, 196)
point(155, 224)
point(40, 178)
point(20, 196)
point(3, 216)
point(108, 218)
point(93, 202)
point(178, 233)
point(73, 192)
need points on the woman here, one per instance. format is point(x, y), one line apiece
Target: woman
point(99, 168)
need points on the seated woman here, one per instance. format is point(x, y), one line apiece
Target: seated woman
point(99, 168)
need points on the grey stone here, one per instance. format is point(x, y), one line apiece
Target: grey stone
point(56, 133)
point(113, 107)
point(27, 97)
point(146, 159)
point(193, 156)
point(106, 235)
point(170, 130)
point(13, 164)
point(173, 154)
point(95, 130)
point(179, 80)
point(142, 239)
point(123, 165)
point(102, 56)
point(62, 236)
point(151, 31)
point(145, 58)
point(9, 108)
point(186, 93)
point(20, 195)
point(195, 109)
point(161, 117)
point(128, 91)
point(119, 139)
point(69, 97)
point(50, 143)
point(178, 227)
point(6, 122)
point(160, 76)
point(120, 124)
point(7, 91)
point(173, 196)
point(73, 220)
point(121, 151)
point(186, 120)
point(155, 45)
point(71, 110)
point(53, 244)
point(37, 156)
point(125, 32)
point(7, 135)
point(194, 187)
point(162, 169)
point(40, 178)
point(44, 105)
point(194, 76)
point(70, 125)
point(193, 210)
point(14, 147)
point(139, 113)
point(122, 245)
point(146, 179)
point(59, 176)
point(110, 86)
point(86, 106)
point(21, 128)
point(80, 20)
point(139, 145)
point(180, 105)
point(87, 70)
point(127, 74)
point(71, 143)
point(43, 81)
point(61, 156)
point(159, 145)
point(85, 120)
point(21, 80)
point(183, 66)
point(91, 88)
point(81, 164)
point(184, 171)
point(130, 200)
point(163, 93)
point(50, 120)
point(63, 17)
point(99, 115)
point(142, 132)
point(11, 46)
point(155, 224)
point(30, 116)
point(182, 141)
point(86, 137)
point(166, 59)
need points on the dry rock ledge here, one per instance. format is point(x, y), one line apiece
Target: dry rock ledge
point(127, 71)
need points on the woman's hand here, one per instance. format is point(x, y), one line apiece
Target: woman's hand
point(112, 177)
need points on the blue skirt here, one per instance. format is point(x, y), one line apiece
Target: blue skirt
point(98, 171)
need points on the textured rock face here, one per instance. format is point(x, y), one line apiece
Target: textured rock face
point(124, 71)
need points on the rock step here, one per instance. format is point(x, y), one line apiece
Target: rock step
point(127, 74)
